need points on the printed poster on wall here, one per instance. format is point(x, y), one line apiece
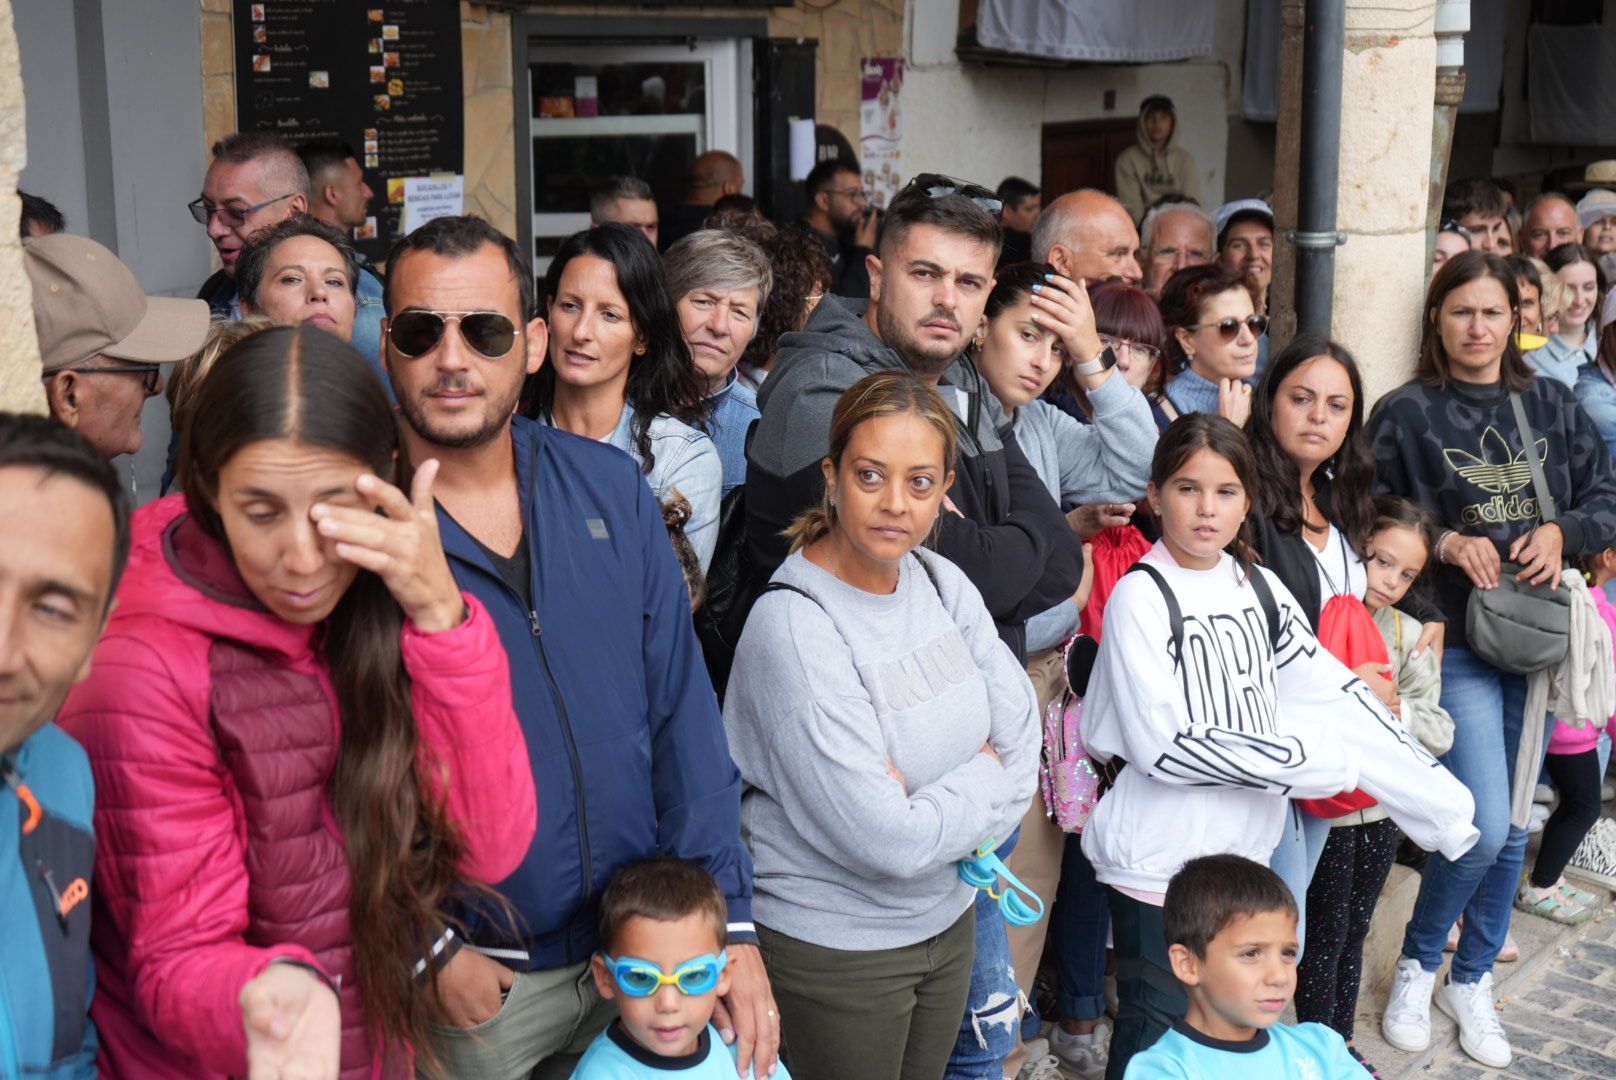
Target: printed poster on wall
point(382, 76)
point(881, 127)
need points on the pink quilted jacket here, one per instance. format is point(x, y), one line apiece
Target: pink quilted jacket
point(212, 729)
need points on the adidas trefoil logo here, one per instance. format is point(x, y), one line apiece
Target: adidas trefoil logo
point(1498, 470)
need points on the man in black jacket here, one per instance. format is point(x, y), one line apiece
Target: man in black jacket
point(929, 286)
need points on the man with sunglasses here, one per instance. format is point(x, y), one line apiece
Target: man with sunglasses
point(841, 218)
point(562, 540)
point(102, 339)
point(256, 179)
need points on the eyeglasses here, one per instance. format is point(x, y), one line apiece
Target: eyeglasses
point(983, 871)
point(855, 193)
point(151, 383)
point(641, 978)
point(231, 217)
point(1229, 329)
point(937, 186)
point(1138, 350)
point(417, 332)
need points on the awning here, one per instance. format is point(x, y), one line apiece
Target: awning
point(1104, 31)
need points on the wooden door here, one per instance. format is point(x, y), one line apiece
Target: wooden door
point(1083, 154)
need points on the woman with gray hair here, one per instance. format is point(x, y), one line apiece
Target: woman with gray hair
point(720, 282)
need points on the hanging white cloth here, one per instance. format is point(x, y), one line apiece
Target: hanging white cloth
point(1109, 31)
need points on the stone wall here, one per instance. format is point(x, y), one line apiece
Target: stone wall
point(20, 386)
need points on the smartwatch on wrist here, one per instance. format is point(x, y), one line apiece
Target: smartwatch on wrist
point(1104, 362)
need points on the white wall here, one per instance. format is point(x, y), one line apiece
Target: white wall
point(984, 122)
point(50, 76)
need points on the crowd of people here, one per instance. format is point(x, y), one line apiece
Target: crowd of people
point(725, 653)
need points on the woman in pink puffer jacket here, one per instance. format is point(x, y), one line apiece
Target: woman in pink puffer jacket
point(302, 737)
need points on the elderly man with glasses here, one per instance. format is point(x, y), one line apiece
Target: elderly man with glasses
point(102, 338)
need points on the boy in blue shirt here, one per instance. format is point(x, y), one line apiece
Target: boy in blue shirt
point(662, 960)
point(1230, 926)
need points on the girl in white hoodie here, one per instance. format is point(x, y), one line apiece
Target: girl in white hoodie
point(1216, 704)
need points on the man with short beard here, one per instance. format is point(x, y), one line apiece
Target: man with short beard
point(839, 215)
point(929, 286)
point(564, 544)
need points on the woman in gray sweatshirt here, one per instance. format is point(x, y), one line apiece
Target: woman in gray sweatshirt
point(883, 732)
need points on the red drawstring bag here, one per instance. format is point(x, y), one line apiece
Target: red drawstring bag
point(1114, 552)
point(1348, 632)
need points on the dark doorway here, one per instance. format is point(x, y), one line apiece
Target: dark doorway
point(1083, 154)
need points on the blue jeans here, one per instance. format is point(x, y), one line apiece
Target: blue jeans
point(1078, 927)
point(1486, 705)
point(1296, 856)
point(993, 1009)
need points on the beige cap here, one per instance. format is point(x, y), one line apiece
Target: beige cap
point(86, 302)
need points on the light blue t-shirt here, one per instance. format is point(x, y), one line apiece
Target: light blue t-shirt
point(614, 1055)
point(1282, 1052)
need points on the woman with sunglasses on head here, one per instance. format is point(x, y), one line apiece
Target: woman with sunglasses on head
point(1212, 342)
point(1449, 440)
point(310, 734)
point(619, 371)
point(1033, 321)
point(884, 733)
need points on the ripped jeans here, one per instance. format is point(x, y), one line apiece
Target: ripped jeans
point(993, 1009)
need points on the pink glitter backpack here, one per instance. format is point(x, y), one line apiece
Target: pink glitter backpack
point(1071, 783)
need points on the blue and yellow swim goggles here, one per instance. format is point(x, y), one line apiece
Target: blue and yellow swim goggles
point(1020, 905)
point(641, 978)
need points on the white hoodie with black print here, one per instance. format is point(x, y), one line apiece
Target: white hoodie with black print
point(1215, 746)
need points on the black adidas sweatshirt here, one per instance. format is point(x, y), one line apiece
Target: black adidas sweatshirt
point(1457, 452)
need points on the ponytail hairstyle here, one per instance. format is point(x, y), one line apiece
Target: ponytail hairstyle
point(1194, 432)
point(1351, 468)
point(303, 384)
point(886, 393)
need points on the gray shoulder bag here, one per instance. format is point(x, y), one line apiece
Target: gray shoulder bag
point(1518, 627)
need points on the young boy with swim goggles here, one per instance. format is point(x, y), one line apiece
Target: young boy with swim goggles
point(662, 960)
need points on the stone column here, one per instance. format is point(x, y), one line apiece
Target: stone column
point(1388, 83)
point(20, 388)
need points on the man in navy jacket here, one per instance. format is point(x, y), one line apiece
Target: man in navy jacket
point(562, 540)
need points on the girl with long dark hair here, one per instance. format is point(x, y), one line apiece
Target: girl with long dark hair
point(1212, 703)
point(1575, 342)
point(303, 737)
point(619, 371)
point(1449, 439)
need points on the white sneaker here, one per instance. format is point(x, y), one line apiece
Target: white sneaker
point(1407, 1023)
point(1085, 1058)
point(1595, 857)
point(1543, 793)
point(1480, 1034)
point(1047, 1067)
point(1538, 816)
point(1607, 791)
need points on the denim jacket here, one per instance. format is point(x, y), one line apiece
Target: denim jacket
point(1559, 359)
point(1597, 394)
point(687, 460)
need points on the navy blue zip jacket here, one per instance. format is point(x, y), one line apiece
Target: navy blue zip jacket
point(629, 754)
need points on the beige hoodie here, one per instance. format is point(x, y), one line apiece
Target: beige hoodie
point(1144, 173)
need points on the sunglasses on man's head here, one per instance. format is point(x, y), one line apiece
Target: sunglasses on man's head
point(641, 978)
point(417, 332)
point(1229, 329)
point(936, 186)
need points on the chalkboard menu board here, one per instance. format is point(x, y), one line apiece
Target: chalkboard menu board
point(381, 75)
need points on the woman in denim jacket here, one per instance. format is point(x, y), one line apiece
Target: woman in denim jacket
point(619, 371)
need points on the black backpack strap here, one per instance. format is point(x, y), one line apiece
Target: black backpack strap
point(1175, 614)
point(780, 586)
point(1270, 606)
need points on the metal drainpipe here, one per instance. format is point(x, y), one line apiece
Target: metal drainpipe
point(1324, 37)
point(1451, 24)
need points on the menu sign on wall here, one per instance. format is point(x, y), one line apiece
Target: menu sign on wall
point(383, 76)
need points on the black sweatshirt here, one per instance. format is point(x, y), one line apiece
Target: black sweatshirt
point(1457, 452)
point(1012, 542)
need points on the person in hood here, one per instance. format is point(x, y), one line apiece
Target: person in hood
point(304, 736)
point(1154, 166)
point(929, 287)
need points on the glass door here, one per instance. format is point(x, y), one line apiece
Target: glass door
point(599, 111)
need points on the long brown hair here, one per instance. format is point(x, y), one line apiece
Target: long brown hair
point(1457, 272)
point(304, 384)
point(886, 393)
point(1194, 432)
point(1183, 298)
